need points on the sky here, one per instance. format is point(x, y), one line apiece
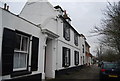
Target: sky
point(85, 14)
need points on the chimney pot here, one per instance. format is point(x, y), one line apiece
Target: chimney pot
point(65, 14)
point(8, 8)
point(5, 6)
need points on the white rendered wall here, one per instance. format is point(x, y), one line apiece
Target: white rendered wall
point(48, 69)
point(82, 42)
point(69, 44)
point(15, 23)
point(60, 33)
point(42, 13)
point(60, 53)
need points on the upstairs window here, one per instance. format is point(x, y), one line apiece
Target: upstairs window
point(76, 55)
point(66, 57)
point(83, 48)
point(66, 31)
point(21, 52)
point(76, 39)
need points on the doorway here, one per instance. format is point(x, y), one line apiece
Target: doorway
point(48, 59)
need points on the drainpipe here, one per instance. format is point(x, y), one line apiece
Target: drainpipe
point(44, 45)
point(56, 54)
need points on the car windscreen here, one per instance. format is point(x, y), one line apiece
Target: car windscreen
point(110, 66)
point(118, 66)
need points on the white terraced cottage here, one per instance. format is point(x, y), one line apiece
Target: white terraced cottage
point(38, 43)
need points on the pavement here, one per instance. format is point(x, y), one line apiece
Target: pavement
point(88, 73)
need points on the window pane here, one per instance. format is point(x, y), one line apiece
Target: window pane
point(16, 60)
point(76, 39)
point(83, 48)
point(67, 61)
point(76, 57)
point(24, 44)
point(23, 60)
point(20, 60)
point(67, 33)
point(18, 41)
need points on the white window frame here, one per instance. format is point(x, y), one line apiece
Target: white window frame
point(24, 52)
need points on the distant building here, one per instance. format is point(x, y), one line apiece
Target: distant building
point(88, 54)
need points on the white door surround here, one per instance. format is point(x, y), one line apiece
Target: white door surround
point(50, 54)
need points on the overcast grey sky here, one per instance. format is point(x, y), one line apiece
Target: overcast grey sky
point(85, 14)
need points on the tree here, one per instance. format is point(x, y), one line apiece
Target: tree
point(99, 51)
point(110, 27)
point(105, 53)
point(110, 56)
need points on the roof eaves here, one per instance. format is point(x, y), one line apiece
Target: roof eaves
point(20, 17)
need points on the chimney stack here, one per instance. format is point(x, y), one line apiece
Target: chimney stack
point(6, 7)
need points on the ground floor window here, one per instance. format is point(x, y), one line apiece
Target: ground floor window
point(15, 52)
point(66, 57)
point(21, 52)
point(83, 60)
point(76, 55)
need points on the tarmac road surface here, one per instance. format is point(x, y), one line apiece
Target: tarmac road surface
point(88, 73)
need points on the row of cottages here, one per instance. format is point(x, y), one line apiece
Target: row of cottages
point(39, 43)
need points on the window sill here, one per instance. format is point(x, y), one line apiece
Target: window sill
point(76, 64)
point(19, 73)
point(19, 69)
point(66, 39)
point(76, 44)
point(66, 66)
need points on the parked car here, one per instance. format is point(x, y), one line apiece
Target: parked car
point(110, 70)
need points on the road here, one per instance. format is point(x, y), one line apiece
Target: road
point(85, 74)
